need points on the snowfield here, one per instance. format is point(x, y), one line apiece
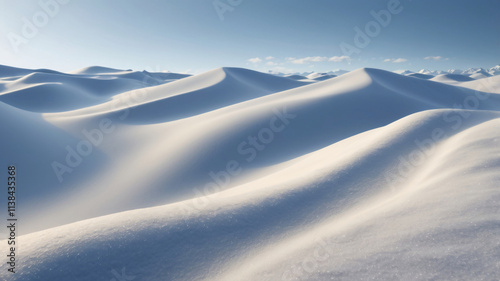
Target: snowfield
point(235, 174)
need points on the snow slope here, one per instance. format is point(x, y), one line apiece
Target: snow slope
point(239, 175)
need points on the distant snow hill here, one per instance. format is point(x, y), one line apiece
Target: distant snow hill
point(235, 174)
point(453, 75)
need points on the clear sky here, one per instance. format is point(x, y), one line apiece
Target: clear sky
point(280, 35)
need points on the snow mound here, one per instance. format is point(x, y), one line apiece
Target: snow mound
point(194, 95)
point(50, 91)
point(452, 78)
point(96, 70)
point(295, 77)
point(320, 76)
point(420, 75)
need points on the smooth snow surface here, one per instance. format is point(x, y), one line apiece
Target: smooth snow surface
point(240, 175)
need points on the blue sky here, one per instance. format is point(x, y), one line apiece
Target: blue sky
point(280, 35)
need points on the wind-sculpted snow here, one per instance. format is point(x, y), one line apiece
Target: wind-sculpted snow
point(239, 175)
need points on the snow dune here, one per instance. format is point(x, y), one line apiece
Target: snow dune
point(239, 175)
point(452, 78)
point(50, 91)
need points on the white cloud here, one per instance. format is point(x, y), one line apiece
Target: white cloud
point(255, 60)
point(339, 59)
point(398, 60)
point(271, 63)
point(318, 59)
point(270, 58)
point(309, 59)
point(436, 58)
